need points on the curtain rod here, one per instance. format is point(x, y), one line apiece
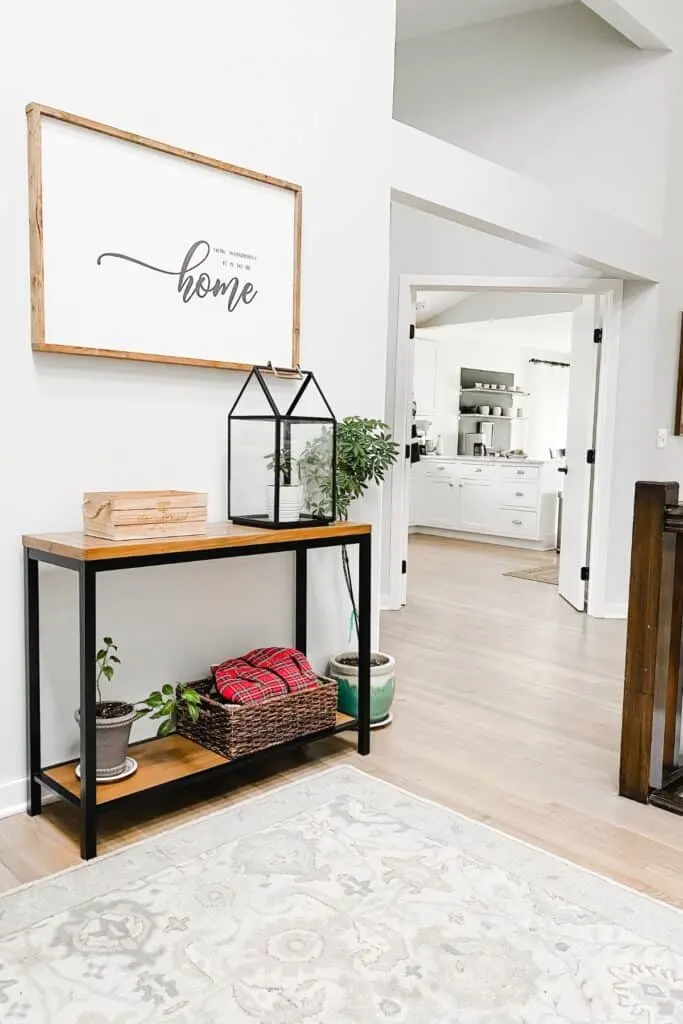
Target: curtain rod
point(550, 362)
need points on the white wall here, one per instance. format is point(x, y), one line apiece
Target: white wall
point(649, 375)
point(506, 346)
point(263, 85)
point(557, 95)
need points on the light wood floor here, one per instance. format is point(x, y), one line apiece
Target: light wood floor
point(507, 710)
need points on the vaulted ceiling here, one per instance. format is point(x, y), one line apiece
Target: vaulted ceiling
point(424, 17)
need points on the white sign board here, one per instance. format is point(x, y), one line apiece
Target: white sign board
point(143, 251)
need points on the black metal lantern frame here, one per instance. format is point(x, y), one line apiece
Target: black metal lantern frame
point(261, 482)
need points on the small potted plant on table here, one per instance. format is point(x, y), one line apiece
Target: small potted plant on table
point(114, 718)
point(290, 492)
point(365, 452)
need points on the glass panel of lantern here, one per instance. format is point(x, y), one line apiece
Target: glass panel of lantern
point(282, 438)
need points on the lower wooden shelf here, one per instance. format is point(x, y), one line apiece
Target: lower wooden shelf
point(162, 761)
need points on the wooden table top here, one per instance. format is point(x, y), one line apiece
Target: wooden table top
point(217, 536)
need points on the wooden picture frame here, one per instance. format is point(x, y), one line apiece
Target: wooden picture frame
point(40, 340)
point(678, 422)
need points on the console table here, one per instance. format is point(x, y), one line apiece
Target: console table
point(174, 759)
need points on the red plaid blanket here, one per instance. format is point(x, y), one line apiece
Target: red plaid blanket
point(262, 674)
point(288, 664)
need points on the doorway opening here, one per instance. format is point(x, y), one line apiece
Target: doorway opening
point(512, 425)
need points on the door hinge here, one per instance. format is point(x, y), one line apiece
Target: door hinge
point(590, 456)
point(404, 567)
point(585, 574)
point(597, 335)
point(412, 331)
point(407, 451)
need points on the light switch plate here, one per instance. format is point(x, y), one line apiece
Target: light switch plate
point(662, 437)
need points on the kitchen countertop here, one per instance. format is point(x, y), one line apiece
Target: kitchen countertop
point(483, 458)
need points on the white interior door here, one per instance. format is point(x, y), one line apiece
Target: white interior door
point(405, 439)
point(578, 482)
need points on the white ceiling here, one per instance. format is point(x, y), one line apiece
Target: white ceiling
point(440, 308)
point(432, 304)
point(424, 17)
point(551, 333)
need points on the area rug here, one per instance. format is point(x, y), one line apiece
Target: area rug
point(542, 574)
point(338, 898)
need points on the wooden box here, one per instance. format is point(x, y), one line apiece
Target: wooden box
point(138, 515)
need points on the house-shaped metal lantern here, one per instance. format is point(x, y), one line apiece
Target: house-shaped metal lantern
point(282, 448)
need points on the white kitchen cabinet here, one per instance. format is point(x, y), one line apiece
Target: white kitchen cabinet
point(477, 505)
point(442, 503)
point(516, 522)
point(487, 499)
point(434, 498)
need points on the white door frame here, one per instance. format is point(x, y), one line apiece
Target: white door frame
point(398, 400)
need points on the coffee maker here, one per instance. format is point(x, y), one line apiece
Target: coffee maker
point(475, 444)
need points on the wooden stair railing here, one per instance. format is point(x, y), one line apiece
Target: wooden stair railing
point(651, 719)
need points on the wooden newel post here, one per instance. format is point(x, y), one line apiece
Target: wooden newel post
point(653, 645)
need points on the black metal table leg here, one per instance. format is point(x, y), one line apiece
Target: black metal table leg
point(34, 804)
point(301, 599)
point(364, 624)
point(87, 610)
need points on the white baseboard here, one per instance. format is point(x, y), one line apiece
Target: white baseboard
point(615, 611)
point(13, 798)
point(485, 538)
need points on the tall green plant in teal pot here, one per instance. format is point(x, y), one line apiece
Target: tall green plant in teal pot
point(365, 453)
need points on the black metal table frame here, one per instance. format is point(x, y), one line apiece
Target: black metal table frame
point(88, 571)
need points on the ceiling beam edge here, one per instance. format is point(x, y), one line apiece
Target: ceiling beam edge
point(633, 19)
point(446, 181)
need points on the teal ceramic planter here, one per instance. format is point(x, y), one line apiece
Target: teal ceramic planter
point(382, 685)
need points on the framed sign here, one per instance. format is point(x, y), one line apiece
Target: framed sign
point(140, 250)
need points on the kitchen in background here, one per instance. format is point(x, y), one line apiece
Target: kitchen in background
point(491, 415)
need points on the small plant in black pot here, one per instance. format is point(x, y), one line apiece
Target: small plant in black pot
point(113, 718)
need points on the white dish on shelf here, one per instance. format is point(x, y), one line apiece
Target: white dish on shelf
point(130, 766)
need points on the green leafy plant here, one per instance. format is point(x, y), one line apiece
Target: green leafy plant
point(365, 453)
point(163, 704)
point(286, 467)
point(105, 660)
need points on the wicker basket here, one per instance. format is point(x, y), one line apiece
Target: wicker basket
point(235, 730)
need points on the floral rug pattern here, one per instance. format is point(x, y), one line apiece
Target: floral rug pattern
point(335, 900)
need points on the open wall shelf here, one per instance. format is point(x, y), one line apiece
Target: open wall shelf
point(494, 391)
point(495, 419)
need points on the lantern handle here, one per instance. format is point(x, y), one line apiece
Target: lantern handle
point(284, 371)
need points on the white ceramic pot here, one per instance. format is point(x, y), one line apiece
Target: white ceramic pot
point(291, 503)
point(344, 670)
